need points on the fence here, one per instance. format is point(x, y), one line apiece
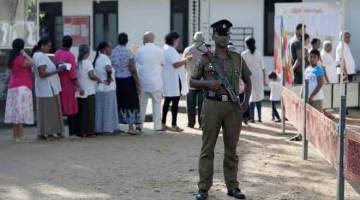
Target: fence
point(322, 132)
point(332, 94)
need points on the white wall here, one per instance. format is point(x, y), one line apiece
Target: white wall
point(80, 8)
point(77, 8)
point(352, 25)
point(137, 17)
point(243, 13)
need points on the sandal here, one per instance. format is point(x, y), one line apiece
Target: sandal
point(132, 133)
point(164, 127)
point(43, 137)
point(53, 137)
point(60, 136)
point(91, 135)
point(176, 129)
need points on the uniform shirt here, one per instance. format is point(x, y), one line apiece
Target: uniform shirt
point(49, 86)
point(149, 60)
point(100, 69)
point(234, 68)
point(349, 59)
point(311, 74)
point(191, 50)
point(275, 90)
point(85, 82)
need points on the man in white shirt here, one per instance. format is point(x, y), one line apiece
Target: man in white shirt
point(149, 62)
point(328, 62)
point(344, 56)
point(195, 96)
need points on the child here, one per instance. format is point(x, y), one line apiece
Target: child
point(315, 75)
point(275, 94)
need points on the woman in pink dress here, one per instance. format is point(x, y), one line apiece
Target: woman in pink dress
point(69, 84)
point(19, 102)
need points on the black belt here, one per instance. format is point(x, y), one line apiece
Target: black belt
point(218, 97)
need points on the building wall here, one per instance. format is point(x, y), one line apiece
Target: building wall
point(77, 8)
point(351, 24)
point(137, 17)
point(242, 13)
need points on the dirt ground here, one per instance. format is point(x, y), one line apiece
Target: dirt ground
point(159, 166)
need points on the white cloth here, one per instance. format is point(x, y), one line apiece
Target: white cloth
point(330, 66)
point(49, 86)
point(311, 74)
point(256, 65)
point(85, 82)
point(149, 60)
point(196, 56)
point(275, 90)
point(156, 107)
point(100, 69)
point(171, 75)
point(349, 59)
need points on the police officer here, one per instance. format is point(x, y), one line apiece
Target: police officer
point(219, 112)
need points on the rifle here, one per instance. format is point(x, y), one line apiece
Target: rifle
point(220, 76)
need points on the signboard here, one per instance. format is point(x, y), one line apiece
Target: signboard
point(322, 20)
point(78, 28)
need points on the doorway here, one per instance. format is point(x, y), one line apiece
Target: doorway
point(179, 21)
point(51, 23)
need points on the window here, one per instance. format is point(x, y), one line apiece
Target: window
point(51, 23)
point(195, 16)
point(179, 21)
point(269, 15)
point(105, 22)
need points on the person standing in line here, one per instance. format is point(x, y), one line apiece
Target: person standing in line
point(87, 78)
point(194, 97)
point(127, 85)
point(149, 64)
point(255, 62)
point(275, 95)
point(246, 115)
point(297, 66)
point(106, 109)
point(47, 89)
point(347, 59)
point(315, 44)
point(328, 63)
point(315, 75)
point(69, 84)
point(219, 112)
point(19, 102)
point(174, 79)
point(295, 41)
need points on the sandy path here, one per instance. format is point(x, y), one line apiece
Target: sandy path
point(160, 166)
